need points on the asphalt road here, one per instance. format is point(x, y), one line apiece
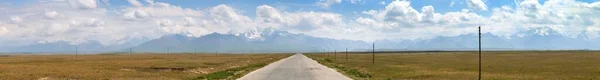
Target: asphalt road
point(296, 67)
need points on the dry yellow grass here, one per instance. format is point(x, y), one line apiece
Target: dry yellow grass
point(513, 65)
point(124, 66)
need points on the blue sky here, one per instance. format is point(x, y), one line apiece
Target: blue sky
point(345, 7)
point(117, 21)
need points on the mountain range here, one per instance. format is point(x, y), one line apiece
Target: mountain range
point(271, 40)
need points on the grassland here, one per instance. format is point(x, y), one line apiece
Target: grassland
point(130, 67)
point(509, 65)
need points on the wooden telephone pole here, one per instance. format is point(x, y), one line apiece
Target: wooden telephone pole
point(334, 54)
point(76, 53)
point(130, 51)
point(479, 29)
point(346, 54)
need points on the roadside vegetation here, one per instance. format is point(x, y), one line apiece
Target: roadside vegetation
point(232, 73)
point(139, 66)
point(350, 72)
point(505, 65)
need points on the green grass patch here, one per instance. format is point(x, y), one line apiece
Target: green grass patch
point(327, 60)
point(231, 73)
point(348, 71)
point(496, 65)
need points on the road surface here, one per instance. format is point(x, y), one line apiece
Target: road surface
point(296, 67)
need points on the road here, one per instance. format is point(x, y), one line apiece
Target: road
point(296, 67)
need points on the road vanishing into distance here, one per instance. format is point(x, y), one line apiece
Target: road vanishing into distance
point(296, 67)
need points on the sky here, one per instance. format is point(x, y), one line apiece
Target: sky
point(110, 22)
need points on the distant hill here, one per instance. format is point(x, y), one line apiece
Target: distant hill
point(266, 40)
point(66, 47)
point(271, 40)
point(533, 39)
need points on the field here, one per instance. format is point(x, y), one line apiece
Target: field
point(141, 66)
point(509, 65)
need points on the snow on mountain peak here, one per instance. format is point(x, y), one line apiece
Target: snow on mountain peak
point(258, 34)
point(254, 34)
point(543, 31)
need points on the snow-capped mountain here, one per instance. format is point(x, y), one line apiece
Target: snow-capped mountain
point(532, 39)
point(266, 40)
point(462, 42)
point(89, 46)
point(271, 40)
point(548, 38)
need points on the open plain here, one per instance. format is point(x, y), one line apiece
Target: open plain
point(138, 66)
point(503, 65)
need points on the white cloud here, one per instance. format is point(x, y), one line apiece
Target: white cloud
point(452, 4)
point(136, 15)
point(58, 21)
point(16, 19)
point(159, 9)
point(297, 21)
point(532, 8)
point(593, 32)
point(268, 14)
point(399, 19)
point(51, 14)
point(135, 2)
point(189, 21)
point(187, 26)
point(225, 19)
point(56, 29)
point(372, 23)
point(226, 13)
point(476, 4)
point(571, 18)
point(398, 11)
point(501, 14)
point(382, 2)
point(4, 31)
point(83, 4)
point(327, 3)
point(93, 22)
point(429, 14)
point(357, 1)
point(306, 21)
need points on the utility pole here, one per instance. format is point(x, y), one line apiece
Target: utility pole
point(346, 54)
point(479, 29)
point(327, 53)
point(76, 52)
point(130, 51)
point(334, 54)
point(373, 53)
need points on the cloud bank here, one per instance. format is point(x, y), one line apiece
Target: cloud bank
point(79, 21)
